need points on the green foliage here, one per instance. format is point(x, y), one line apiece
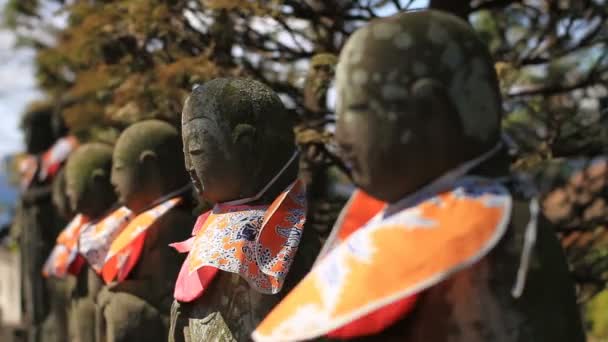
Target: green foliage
point(596, 317)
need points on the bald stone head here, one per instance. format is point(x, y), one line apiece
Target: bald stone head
point(318, 79)
point(87, 179)
point(37, 127)
point(147, 163)
point(417, 96)
point(237, 136)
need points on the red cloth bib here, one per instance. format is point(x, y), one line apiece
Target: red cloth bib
point(257, 242)
point(126, 249)
point(64, 256)
point(95, 239)
point(382, 264)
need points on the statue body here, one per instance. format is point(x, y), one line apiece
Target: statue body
point(35, 227)
point(418, 124)
point(56, 325)
point(147, 166)
point(89, 193)
point(237, 138)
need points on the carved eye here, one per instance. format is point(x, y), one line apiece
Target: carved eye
point(196, 151)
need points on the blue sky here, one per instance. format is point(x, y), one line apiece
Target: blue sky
point(17, 88)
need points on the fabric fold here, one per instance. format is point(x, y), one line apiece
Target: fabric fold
point(379, 267)
point(257, 242)
point(95, 239)
point(126, 249)
point(65, 252)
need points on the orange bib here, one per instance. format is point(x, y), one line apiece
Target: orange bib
point(95, 239)
point(257, 242)
point(65, 251)
point(392, 258)
point(126, 249)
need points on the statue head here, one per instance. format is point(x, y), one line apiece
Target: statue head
point(59, 195)
point(37, 127)
point(318, 79)
point(87, 176)
point(237, 136)
point(417, 96)
point(147, 163)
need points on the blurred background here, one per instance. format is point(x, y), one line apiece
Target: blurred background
point(102, 65)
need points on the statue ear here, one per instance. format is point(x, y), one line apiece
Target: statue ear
point(147, 156)
point(98, 175)
point(243, 133)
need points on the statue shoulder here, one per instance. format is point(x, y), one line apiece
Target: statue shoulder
point(174, 226)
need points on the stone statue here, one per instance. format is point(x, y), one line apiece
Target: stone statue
point(239, 150)
point(452, 255)
point(36, 223)
point(318, 80)
point(55, 326)
point(140, 267)
point(90, 194)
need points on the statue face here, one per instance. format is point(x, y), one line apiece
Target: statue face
point(318, 80)
point(211, 159)
point(417, 96)
point(383, 133)
point(125, 177)
point(147, 163)
point(236, 136)
point(87, 179)
point(383, 154)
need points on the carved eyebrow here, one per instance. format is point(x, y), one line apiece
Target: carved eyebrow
point(202, 117)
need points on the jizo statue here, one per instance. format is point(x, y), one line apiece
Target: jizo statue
point(37, 224)
point(55, 327)
point(91, 197)
point(139, 268)
point(91, 194)
point(250, 248)
point(445, 258)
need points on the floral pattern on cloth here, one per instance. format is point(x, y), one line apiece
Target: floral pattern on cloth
point(445, 232)
point(257, 242)
point(95, 239)
point(126, 249)
point(56, 155)
point(65, 252)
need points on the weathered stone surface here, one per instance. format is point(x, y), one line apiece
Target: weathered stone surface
point(147, 165)
point(418, 97)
